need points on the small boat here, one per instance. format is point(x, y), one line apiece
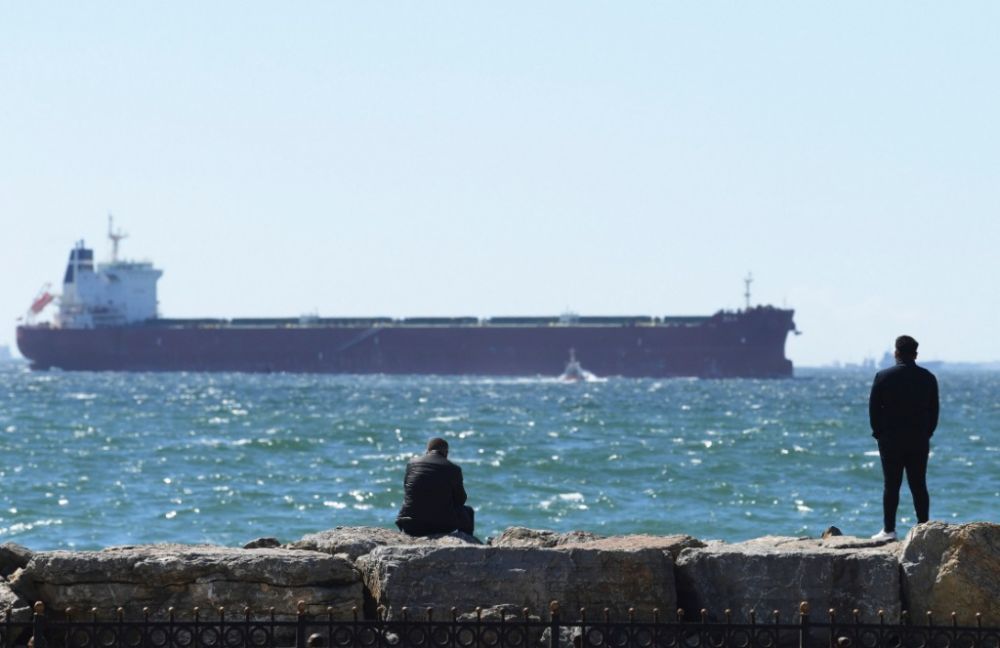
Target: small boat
point(574, 372)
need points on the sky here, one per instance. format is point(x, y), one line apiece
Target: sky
point(518, 158)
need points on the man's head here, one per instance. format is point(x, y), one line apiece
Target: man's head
point(906, 348)
point(438, 445)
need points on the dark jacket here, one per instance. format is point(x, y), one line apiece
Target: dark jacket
point(433, 494)
point(903, 406)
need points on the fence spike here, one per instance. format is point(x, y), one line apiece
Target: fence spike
point(607, 615)
point(704, 615)
point(832, 614)
point(354, 613)
point(631, 615)
point(930, 618)
point(583, 615)
point(430, 613)
point(170, 613)
point(93, 613)
point(729, 615)
point(881, 616)
point(406, 611)
point(39, 608)
point(777, 616)
point(329, 611)
point(954, 619)
point(301, 607)
point(145, 613)
point(69, 613)
point(857, 615)
point(804, 608)
point(526, 613)
point(554, 607)
point(222, 612)
point(121, 613)
point(979, 620)
point(753, 617)
point(656, 615)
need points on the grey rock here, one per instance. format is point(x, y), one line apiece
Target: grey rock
point(12, 557)
point(20, 610)
point(263, 543)
point(163, 576)
point(469, 576)
point(358, 541)
point(952, 568)
point(778, 573)
point(525, 537)
point(672, 544)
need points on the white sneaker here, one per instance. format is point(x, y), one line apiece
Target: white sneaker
point(884, 536)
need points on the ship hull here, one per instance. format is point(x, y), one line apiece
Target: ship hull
point(746, 344)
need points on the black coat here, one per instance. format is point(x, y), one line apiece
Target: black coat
point(433, 494)
point(903, 406)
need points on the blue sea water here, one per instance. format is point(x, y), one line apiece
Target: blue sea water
point(89, 460)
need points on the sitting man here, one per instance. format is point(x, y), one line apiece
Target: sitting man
point(434, 495)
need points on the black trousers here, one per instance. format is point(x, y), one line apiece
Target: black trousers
point(897, 458)
point(466, 519)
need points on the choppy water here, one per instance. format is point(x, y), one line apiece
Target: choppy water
point(94, 459)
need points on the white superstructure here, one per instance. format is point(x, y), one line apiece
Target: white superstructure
point(112, 294)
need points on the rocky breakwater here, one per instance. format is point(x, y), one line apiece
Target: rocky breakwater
point(939, 567)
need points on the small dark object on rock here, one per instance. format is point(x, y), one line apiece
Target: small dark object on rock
point(263, 543)
point(832, 531)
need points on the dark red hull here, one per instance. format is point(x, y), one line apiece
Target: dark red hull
point(744, 344)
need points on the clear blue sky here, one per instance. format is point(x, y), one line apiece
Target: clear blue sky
point(518, 158)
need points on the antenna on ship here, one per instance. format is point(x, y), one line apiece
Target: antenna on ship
point(747, 281)
point(115, 237)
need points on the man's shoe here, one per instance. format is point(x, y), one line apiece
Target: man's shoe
point(884, 536)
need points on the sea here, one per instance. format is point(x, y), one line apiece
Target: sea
point(89, 460)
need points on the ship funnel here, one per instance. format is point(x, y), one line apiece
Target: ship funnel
point(81, 259)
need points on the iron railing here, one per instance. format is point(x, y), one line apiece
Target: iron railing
point(222, 629)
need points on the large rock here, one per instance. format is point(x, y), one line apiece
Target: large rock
point(777, 573)
point(19, 609)
point(163, 576)
point(358, 541)
point(13, 557)
point(952, 568)
point(480, 576)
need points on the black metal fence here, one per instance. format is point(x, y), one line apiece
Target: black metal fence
point(223, 629)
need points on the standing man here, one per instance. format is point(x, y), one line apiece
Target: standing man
point(434, 495)
point(903, 411)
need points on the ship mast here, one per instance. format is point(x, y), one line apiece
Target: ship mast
point(115, 237)
point(747, 281)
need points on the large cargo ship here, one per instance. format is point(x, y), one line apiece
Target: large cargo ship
point(107, 319)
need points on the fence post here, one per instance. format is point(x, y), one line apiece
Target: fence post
point(300, 627)
point(803, 625)
point(554, 624)
point(38, 626)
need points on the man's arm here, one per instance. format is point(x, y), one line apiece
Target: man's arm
point(458, 494)
point(874, 406)
point(934, 406)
